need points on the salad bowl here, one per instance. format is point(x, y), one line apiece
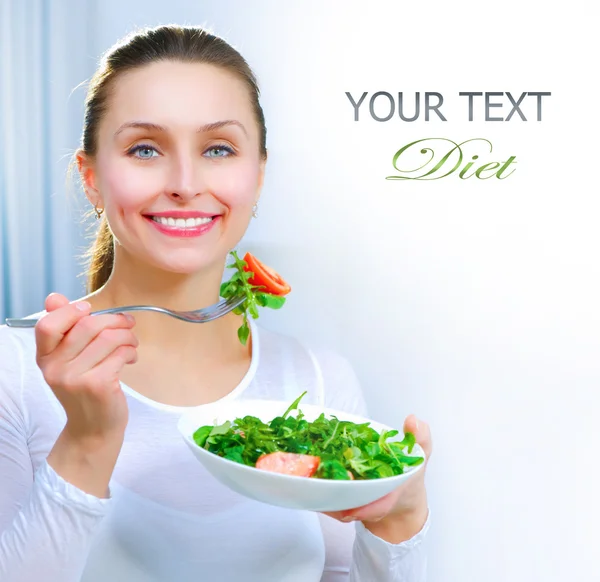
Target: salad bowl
point(285, 490)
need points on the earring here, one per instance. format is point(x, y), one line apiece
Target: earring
point(255, 210)
point(98, 212)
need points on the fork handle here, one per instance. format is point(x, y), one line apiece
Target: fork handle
point(15, 322)
point(31, 321)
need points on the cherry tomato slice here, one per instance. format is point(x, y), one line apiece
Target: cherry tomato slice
point(265, 277)
point(289, 464)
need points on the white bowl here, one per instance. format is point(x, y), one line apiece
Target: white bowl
point(286, 490)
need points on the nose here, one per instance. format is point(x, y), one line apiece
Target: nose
point(186, 180)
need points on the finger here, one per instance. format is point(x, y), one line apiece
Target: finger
point(101, 383)
point(87, 329)
point(371, 512)
point(120, 357)
point(107, 342)
point(421, 431)
point(61, 317)
point(106, 373)
point(54, 301)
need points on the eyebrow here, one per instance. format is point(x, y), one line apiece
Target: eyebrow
point(161, 128)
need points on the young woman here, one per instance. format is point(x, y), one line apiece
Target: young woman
point(97, 484)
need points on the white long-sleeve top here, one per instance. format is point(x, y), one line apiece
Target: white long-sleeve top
point(167, 519)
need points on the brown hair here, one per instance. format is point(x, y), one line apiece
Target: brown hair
point(164, 43)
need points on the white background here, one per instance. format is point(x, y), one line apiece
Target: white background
point(473, 303)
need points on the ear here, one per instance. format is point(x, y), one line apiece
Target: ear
point(261, 178)
point(87, 172)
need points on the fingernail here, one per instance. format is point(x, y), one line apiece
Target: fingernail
point(83, 306)
point(348, 518)
point(378, 518)
point(126, 316)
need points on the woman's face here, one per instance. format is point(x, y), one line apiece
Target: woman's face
point(178, 167)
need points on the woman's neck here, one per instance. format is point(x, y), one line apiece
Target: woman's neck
point(145, 285)
point(178, 363)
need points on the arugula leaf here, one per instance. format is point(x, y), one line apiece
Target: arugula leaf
point(294, 404)
point(243, 332)
point(328, 441)
point(201, 435)
point(408, 441)
point(268, 300)
point(234, 453)
point(332, 470)
point(221, 428)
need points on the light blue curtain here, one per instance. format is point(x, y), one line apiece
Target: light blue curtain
point(44, 57)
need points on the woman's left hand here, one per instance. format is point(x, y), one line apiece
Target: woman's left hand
point(402, 513)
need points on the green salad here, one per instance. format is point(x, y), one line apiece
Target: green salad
point(326, 448)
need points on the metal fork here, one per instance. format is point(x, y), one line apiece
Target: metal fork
point(198, 316)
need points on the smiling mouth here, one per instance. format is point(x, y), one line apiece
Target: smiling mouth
point(172, 222)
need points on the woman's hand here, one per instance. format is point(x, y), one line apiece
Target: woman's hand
point(401, 514)
point(80, 357)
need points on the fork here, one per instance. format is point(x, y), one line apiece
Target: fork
point(198, 316)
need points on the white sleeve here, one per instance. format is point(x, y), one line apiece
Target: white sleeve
point(46, 524)
point(355, 554)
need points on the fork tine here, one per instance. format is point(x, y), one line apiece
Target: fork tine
point(222, 308)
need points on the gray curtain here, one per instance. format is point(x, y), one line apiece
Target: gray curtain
point(44, 59)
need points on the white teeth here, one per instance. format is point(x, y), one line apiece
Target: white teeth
point(181, 222)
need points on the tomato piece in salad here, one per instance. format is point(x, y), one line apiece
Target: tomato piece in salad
point(265, 277)
point(289, 464)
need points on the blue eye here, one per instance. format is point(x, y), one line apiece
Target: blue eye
point(143, 152)
point(220, 151)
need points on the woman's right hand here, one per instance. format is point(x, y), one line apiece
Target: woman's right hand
point(81, 357)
